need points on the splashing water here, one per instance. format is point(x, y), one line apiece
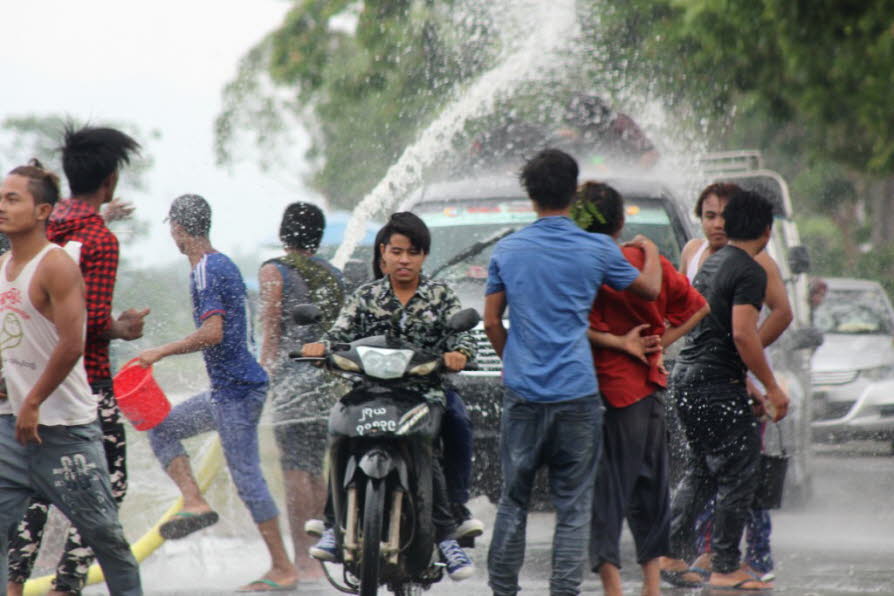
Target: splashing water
point(533, 33)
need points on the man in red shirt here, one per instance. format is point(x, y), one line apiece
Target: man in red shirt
point(628, 335)
point(91, 158)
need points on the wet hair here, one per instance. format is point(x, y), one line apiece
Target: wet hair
point(409, 225)
point(42, 183)
point(550, 179)
point(90, 155)
point(747, 216)
point(302, 226)
point(722, 190)
point(377, 254)
point(192, 213)
point(599, 208)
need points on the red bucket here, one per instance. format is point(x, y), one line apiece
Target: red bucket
point(139, 396)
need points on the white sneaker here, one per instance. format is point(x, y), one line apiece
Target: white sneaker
point(315, 527)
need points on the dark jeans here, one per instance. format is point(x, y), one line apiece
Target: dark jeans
point(24, 544)
point(566, 437)
point(456, 437)
point(723, 435)
point(632, 482)
point(68, 469)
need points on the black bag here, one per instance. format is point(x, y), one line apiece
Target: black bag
point(771, 478)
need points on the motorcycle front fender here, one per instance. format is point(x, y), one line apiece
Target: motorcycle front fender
point(378, 463)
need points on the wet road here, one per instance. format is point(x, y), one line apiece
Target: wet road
point(840, 543)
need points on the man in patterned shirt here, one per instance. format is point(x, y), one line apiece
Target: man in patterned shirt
point(424, 307)
point(91, 158)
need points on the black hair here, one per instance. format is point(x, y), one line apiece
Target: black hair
point(377, 254)
point(747, 216)
point(599, 208)
point(90, 155)
point(42, 183)
point(302, 227)
point(722, 190)
point(409, 225)
point(550, 178)
point(193, 214)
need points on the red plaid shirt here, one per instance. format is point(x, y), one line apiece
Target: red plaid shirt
point(76, 221)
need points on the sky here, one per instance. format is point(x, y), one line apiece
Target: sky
point(161, 65)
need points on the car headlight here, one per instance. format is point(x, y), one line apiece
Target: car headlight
point(345, 363)
point(878, 373)
point(383, 363)
point(424, 369)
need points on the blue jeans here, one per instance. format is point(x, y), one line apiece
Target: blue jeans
point(566, 437)
point(236, 421)
point(68, 469)
point(456, 436)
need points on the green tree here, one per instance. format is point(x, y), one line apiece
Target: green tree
point(362, 76)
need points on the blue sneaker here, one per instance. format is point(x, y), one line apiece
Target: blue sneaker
point(459, 565)
point(326, 549)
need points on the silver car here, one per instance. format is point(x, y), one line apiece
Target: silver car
point(853, 371)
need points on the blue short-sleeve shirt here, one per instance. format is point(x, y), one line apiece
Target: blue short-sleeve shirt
point(217, 289)
point(551, 272)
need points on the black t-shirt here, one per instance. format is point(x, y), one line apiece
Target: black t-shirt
point(730, 277)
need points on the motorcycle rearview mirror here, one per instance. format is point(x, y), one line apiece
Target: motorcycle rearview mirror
point(307, 314)
point(464, 320)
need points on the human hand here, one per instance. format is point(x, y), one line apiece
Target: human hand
point(149, 357)
point(26, 422)
point(640, 346)
point(117, 210)
point(758, 401)
point(130, 323)
point(776, 403)
point(644, 243)
point(455, 361)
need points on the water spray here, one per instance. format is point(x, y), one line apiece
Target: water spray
point(532, 33)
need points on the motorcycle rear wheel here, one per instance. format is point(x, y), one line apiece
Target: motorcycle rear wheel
point(373, 513)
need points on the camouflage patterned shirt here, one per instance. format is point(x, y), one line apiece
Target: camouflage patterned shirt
point(422, 322)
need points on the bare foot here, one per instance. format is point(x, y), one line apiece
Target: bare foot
point(14, 589)
point(310, 571)
point(739, 579)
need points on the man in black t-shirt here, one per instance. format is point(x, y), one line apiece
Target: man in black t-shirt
point(712, 399)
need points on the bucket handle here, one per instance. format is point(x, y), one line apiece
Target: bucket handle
point(134, 362)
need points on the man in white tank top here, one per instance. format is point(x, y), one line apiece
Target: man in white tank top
point(49, 435)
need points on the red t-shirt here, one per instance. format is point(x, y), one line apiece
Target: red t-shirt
point(623, 380)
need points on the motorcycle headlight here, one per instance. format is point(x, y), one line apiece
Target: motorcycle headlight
point(383, 363)
point(345, 363)
point(424, 369)
point(878, 373)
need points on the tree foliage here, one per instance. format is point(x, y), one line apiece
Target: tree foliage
point(362, 76)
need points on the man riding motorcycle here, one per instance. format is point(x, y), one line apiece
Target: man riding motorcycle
point(419, 309)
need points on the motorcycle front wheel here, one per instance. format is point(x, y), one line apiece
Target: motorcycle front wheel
point(373, 513)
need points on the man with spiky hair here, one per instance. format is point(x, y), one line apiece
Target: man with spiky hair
point(92, 158)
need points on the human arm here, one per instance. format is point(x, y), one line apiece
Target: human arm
point(271, 284)
point(648, 284)
point(776, 300)
point(461, 347)
point(347, 327)
point(60, 281)
point(494, 307)
point(751, 350)
point(209, 333)
point(674, 333)
point(632, 343)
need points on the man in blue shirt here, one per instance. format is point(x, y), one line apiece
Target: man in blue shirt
point(233, 405)
point(548, 274)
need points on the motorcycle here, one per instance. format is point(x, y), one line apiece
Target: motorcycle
point(380, 460)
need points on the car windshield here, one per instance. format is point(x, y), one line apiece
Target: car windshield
point(854, 311)
point(457, 225)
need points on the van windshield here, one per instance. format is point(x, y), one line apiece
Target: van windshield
point(457, 225)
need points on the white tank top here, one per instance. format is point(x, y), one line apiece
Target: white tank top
point(27, 339)
point(692, 266)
